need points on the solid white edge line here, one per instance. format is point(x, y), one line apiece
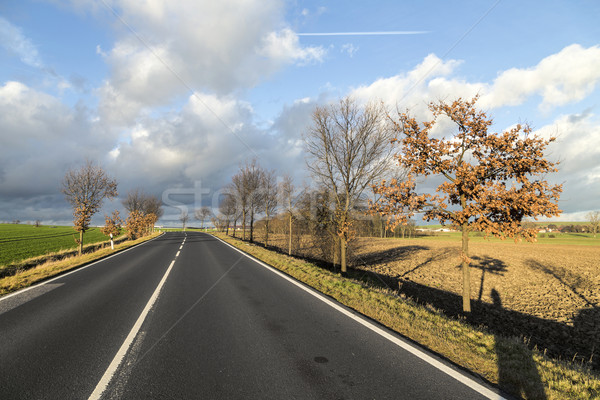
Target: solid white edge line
point(466, 380)
point(114, 365)
point(76, 270)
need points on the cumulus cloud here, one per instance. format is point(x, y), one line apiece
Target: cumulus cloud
point(195, 146)
point(577, 136)
point(41, 138)
point(430, 80)
point(283, 46)
point(565, 77)
point(12, 39)
point(562, 78)
point(175, 47)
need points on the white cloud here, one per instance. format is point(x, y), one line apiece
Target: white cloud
point(562, 78)
point(284, 47)
point(414, 89)
point(219, 47)
point(41, 137)
point(12, 38)
point(350, 49)
point(565, 77)
point(576, 148)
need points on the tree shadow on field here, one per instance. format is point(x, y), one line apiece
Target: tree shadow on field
point(487, 265)
point(517, 371)
point(389, 255)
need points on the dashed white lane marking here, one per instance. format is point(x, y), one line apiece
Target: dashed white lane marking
point(464, 379)
point(114, 365)
point(177, 255)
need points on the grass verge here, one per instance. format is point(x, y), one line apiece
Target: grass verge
point(52, 268)
point(504, 361)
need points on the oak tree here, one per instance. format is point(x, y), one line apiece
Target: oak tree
point(137, 224)
point(112, 226)
point(149, 207)
point(85, 189)
point(490, 181)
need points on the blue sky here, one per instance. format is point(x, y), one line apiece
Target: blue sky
point(172, 96)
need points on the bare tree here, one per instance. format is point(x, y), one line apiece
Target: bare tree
point(135, 200)
point(184, 217)
point(153, 210)
point(246, 185)
point(85, 189)
point(238, 191)
point(268, 199)
point(593, 218)
point(201, 215)
point(286, 193)
point(349, 147)
point(228, 207)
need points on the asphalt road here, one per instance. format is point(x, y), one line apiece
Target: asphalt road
point(222, 327)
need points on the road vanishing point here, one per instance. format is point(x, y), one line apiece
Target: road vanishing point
point(187, 316)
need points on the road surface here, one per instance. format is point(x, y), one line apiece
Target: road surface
point(185, 316)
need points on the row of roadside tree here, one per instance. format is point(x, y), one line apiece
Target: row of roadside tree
point(366, 160)
point(86, 188)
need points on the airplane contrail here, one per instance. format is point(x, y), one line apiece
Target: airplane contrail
point(363, 33)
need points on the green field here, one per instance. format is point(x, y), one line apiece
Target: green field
point(20, 242)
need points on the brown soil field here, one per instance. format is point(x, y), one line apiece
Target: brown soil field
point(547, 294)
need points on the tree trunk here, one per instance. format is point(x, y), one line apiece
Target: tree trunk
point(267, 232)
point(290, 238)
point(80, 250)
point(343, 254)
point(244, 225)
point(251, 226)
point(466, 270)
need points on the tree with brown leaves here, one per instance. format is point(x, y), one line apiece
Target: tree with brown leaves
point(149, 206)
point(348, 148)
point(491, 181)
point(137, 224)
point(112, 226)
point(85, 189)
